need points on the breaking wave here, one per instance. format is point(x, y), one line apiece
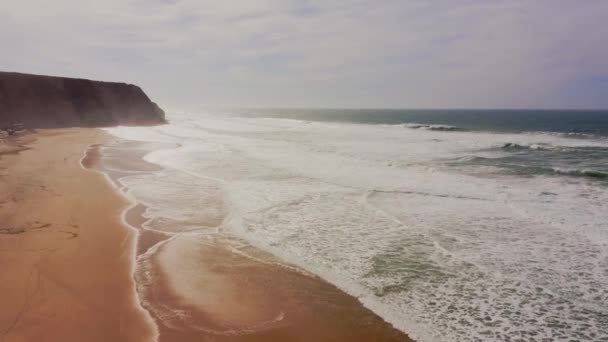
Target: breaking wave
point(442, 254)
point(430, 127)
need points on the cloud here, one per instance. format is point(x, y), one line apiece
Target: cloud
point(383, 53)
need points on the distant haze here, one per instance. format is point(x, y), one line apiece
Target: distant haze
point(340, 53)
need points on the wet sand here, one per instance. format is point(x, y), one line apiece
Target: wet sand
point(205, 285)
point(65, 257)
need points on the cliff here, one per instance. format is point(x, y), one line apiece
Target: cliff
point(46, 101)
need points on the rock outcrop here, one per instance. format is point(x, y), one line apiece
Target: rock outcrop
point(46, 102)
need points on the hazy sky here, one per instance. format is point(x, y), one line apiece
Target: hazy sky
point(333, 53)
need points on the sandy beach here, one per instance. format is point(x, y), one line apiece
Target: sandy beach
point(68, 262)
point(66, 258)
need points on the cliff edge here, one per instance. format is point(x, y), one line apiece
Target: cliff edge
point(49, 102)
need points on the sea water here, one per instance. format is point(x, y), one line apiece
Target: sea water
point(451, 225)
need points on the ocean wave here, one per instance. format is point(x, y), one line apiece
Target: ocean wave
point(582, 173)
point(572, 135)
point(579, 135)
point(537, 147)
point(591, 148)
point(431, 127)
point(424, 245)
point(532, 170)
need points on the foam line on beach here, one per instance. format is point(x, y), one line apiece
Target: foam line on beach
point(132, 203)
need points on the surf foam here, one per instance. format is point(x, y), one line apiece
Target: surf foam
point(442, 254)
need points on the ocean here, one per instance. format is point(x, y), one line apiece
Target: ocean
point(457, 225)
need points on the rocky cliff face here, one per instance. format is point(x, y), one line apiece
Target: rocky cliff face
point(45, 101)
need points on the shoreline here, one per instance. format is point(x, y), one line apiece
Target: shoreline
point(125, 222)
point(66, 256)
point(234, 294)
point(208, 285)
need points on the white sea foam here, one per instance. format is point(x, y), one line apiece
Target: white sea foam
point(442, 254)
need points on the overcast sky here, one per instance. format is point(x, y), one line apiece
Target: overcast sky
point(333, 53)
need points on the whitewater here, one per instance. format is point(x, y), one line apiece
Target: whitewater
point(449, 235)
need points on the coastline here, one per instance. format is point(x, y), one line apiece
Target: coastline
point(66, 256)
point(198, 282)
point(82, 248)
